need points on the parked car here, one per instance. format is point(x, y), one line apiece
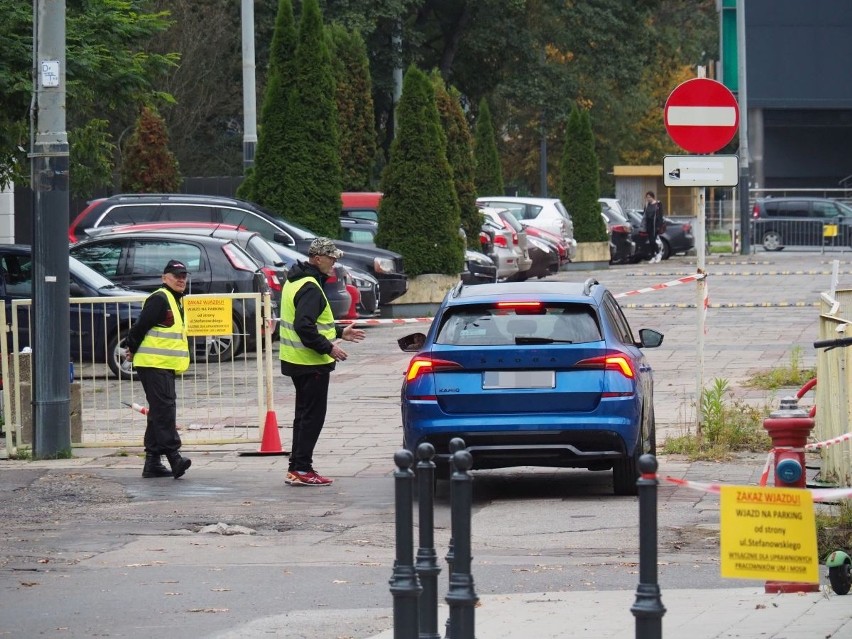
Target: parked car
point(619, 230)
point(385, 266)
point(555, 242)
point(532, 374)
point(495, 241)
point(545, 213)
point(677, 238)
point(136, 259)
point(801, 221)
point(503, 218)
point(96, 331)
point(360, 206)
point(275, 259)
point(478, 269)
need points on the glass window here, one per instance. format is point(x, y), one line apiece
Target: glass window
point(794, 209)
point(504, 326)
point(825, 209)
point(358, 236)
point(188, 213)
point(129, 214)
point(262, 251)
point(18, 275)
point(149, 257)
point(363, 214)
point(250, 222)
point(102, 257)
point(616, 315)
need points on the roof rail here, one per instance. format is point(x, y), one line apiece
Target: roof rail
point(457, 289)
point(588, 284)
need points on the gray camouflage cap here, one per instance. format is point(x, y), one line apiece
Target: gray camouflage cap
point(324, 246)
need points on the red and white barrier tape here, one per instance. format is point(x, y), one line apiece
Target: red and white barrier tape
point(659, 287)
point(818, 494)
point(764, 475)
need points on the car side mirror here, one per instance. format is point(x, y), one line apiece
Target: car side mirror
point(650, 338)
point(75, 290)
point(411, 343)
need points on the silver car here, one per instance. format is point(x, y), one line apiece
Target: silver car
point(513, 235)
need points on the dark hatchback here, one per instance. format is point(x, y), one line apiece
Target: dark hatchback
point(96, 329)
point(136, 260)
point(677, 238)
point(385, 266)
point(800, 221)
point(622, 246)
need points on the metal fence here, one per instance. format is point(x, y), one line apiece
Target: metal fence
point(775, 234)
point(220, 399)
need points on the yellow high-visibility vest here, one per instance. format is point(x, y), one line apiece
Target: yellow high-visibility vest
point(165, 347)
point(291, 349)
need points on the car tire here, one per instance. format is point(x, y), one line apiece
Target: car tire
point(625, 472)
point(772, 241)
point(117, 363)
point(840, 578)
point(667, 248)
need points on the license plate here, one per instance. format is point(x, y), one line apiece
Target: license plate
point(518, 379)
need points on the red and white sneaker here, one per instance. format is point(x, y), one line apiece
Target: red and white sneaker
point(306, 478)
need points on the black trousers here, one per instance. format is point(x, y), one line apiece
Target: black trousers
point(161, 436)
point(311, 405)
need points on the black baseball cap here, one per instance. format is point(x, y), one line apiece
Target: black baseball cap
point(175, 267)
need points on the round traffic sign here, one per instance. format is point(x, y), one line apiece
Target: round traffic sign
point(701, 115)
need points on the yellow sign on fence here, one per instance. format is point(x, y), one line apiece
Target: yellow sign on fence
point(768, 533)
point(829, 230)
point(208, 315)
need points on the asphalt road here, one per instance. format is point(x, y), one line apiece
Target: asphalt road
point(90, 549)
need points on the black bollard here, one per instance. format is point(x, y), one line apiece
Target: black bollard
point(427, 559)
point(648, 608)
point(404, 585)
point(461, 596)
point(456, 444)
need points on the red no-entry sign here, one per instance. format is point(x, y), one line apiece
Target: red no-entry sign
point(701, 115)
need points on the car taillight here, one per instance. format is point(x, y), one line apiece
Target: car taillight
point(424, 364)
point(618, 363)
point(271, 278)
point(237, 260)
point(521, 306)
point(500, 240)
point(755, 212)
point(620, 228)
point(687, 227)
point(508, 227)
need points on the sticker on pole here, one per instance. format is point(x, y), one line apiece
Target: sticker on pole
point(768, 533)
point(701, 115)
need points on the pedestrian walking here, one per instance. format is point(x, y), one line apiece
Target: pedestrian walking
point(308, 354)
point(652, 218)
point(158, 347)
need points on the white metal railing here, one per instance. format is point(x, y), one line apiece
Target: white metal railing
point(220, 399)
point(774, 234)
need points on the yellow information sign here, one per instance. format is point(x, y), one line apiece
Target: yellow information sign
point(208, 315)
point(829, 230)
point(768, 533)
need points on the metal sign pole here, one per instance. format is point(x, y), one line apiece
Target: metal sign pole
point(700, 291)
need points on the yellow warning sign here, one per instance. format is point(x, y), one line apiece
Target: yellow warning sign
point(208, 315)
point(768, 533)
point(829, 230)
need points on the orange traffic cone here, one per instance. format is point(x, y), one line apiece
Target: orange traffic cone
point(270, 443)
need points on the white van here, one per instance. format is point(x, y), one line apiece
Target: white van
point(546, 213)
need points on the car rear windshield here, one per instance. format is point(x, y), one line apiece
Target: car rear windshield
point(513, 323)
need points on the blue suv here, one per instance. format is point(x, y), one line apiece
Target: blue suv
point(532, 374)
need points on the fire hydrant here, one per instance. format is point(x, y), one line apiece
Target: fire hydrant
point(789, 427)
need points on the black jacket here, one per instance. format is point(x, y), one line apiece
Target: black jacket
point(309, 302)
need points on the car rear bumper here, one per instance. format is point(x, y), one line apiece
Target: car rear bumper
point(391, 286)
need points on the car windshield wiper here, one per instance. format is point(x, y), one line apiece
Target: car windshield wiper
point(109, 286)
point(541, 340)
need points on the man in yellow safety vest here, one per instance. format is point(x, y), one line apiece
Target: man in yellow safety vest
point(308, 354)
point(158, 347)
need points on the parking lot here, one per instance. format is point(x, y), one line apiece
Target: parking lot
point(91, 526)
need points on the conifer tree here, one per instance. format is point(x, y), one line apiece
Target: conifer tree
point(419, 215)
point(310, 156)
point(355, 115)
point(263, 183)
point(489, 174)
point(580, 178)
point(459, 155)
point(148, 165)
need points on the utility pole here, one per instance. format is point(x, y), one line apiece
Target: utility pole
point(249, 91)
point(50, 323)
point(742, 99)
